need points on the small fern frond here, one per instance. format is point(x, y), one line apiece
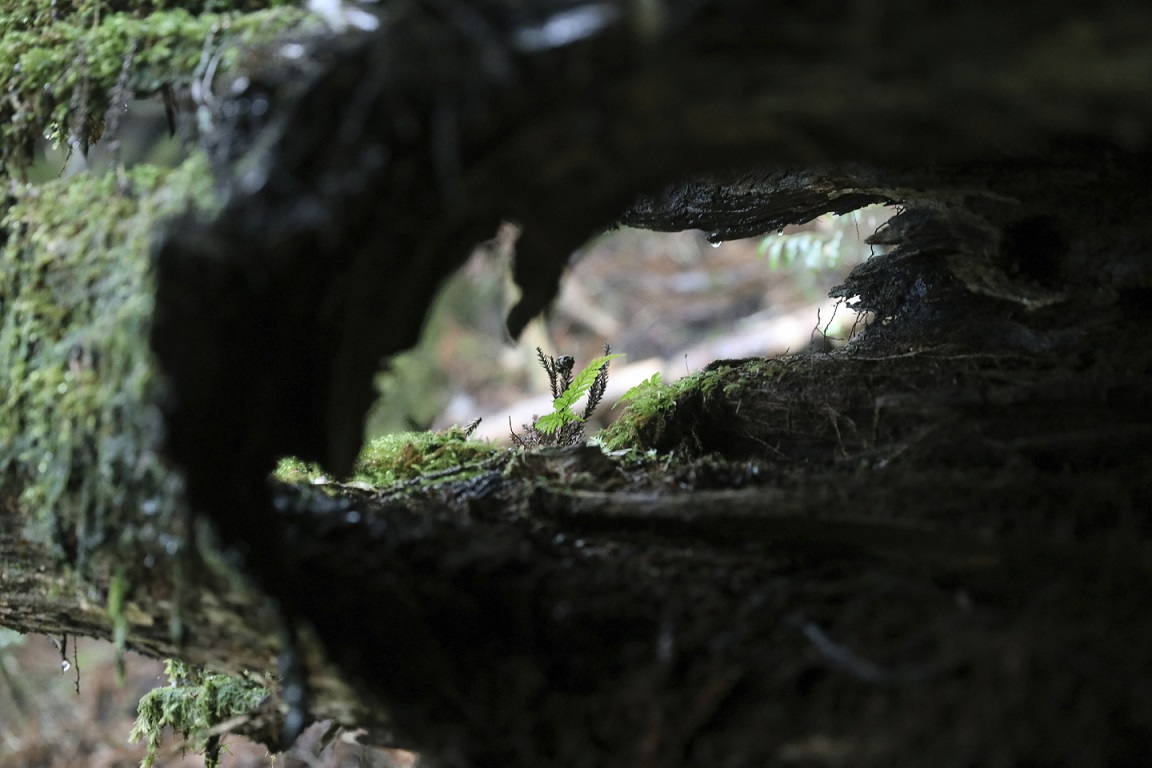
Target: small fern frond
point(583, 382)
point(550, 423)
point(564, 426)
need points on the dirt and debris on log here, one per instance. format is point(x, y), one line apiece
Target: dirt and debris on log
point(929, 548)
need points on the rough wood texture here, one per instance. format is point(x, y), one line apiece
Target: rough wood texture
point(931, 550)
point(409, 147)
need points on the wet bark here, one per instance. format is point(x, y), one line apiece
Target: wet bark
point(932, 548)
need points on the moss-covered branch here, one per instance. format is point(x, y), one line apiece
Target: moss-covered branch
point(65, 63)
point(78, 425)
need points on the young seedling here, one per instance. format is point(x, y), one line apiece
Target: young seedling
point(563, 426)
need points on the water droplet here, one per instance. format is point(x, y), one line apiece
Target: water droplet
point(666, 642)
point(352, 518)
point(716, 243)
point(253, 180)
point(65, 665)
point(293, 51)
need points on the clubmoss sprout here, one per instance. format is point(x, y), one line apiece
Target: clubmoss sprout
point(193, 704)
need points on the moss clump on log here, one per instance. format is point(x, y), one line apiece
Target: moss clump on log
point(64, 61)
point(77, 433)
point(651, 415)
point(404, 457)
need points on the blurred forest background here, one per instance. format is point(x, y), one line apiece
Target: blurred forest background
point(670, 302)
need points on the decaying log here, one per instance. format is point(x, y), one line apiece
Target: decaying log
point(902, 552)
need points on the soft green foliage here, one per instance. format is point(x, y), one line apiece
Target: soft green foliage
point(10, 638)
point(400, 457)
point(408, 455)
point(292, 470)
point(117, 594)
point(813, 250)
point(650, 384)
point(647, 404)
point(562, 412)
point(77, 433)
point(461, 342)
point(60, 62)
point(192, 703)
point(653, 401)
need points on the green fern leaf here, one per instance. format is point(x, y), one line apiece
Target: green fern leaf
point(562, 412)
point(551, 422)
point(582, 383)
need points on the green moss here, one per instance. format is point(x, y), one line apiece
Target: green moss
point(402, 456)
point(653, 403)
point(648, 405)
point(62, 61)
point(191, 705)
point(292, 470)
point(117, 592)
point(77, 425)
point(407, 455)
